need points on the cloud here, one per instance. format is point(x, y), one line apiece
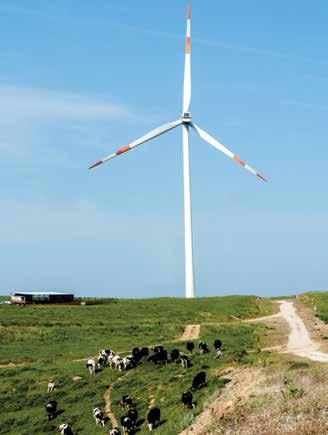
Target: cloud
point(17, 102)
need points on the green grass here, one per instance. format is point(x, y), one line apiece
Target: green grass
point(320, 300)
point(50, 338)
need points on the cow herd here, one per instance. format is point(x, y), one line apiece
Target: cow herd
point(156, 355)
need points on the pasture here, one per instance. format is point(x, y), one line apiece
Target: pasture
point(42, 342)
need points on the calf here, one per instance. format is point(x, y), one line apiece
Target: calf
point(64, 429)
point(199, 381)
point(190, 347)
point(203, 348)
point(174, 355)
point(154, 418)
point(218, 354)
point(51, 409)
point(91, 366)
point(217, 344)
point(185, 361)
point(114, 431)
point(99, 417)
point(126, 401)
point(186, 399)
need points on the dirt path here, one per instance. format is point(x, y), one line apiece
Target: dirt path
point(108, 409)
point(191, 332)
point(242, 385)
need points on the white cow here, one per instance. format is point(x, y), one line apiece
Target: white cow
point(91, 366)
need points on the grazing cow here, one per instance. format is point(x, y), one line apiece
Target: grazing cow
point(51, 409)
point(102, 359)
point(144, 352)
point(118, 362)
point(174, 355)
point(186, 399)
point(133, 415)
point(217, 344)
point(163, 357)
point(126, 401)
point(136, 354)
point(157, 349)
point(114, 431)
point(91, 366)
point(185, 361)
point(128, 362)
point(127, 424)
point(64, 429)
point(99, 417)
point(203, 348)
point(199, 381)
point(111, 357)
point(190, 346)
point(154, 418)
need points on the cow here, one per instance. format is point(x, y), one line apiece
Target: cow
point(144, 352)
point(102, 360)
point(157, 349)
point(64, 429)
point(126, 401)
point(186, 399)
point(190, 346)
point(111, 357)
point(199, 381)
point(51, 409)
point(218, 354)
point(128, 362)
point(99, 417)
point(185, 361)
point(174, 355)
point(154, 418)
point(118, 362)
point(91, 366)
point(133, 415)
point(127, 424)
point(203, 348)
point(217, 344)
point(136, 354)
point(51, 386)
point(114, 431)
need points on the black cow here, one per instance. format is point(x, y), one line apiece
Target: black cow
point(154, 418)
point(64, 429)
point(144, 352)
point(160, 355)
point(126, 401)
point(133, 415)
point(136, 354)
point(203, 348)
point(186, 399)
point(174, 354)
point(199, 381)
point(217, 344)
point(190, 346)
point(51, 409)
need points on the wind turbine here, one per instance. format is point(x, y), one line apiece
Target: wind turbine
point(186, 122)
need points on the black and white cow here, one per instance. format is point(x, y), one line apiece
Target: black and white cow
point(127, 424)
point(185, 361)
point(190, 346)
point(133, 415)
point(114, 431)
point(128, 362)
point(99, 417)
point(64, 429)
point(91, 366)
point(217, 344)
point(126, 401)
point(186, 399)
point(102, 360)
point(203, 348)
point(154, 418)
point(51, 409)
point(175, 354)
point(199, 381)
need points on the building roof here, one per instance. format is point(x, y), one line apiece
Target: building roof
point(40, 293)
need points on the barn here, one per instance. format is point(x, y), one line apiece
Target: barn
point(20, 298)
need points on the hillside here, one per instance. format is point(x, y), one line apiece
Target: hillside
point(43, 342)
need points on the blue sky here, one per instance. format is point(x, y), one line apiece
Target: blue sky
point(78, 80)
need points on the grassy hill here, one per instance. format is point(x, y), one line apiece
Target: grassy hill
point(47, 341)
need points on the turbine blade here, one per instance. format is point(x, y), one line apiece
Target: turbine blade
point(187, 71)
point(151, 135)
point(216, 144)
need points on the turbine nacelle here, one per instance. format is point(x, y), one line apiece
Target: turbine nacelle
point(186, 118)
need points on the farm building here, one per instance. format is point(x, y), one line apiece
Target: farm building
point(40, 298)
